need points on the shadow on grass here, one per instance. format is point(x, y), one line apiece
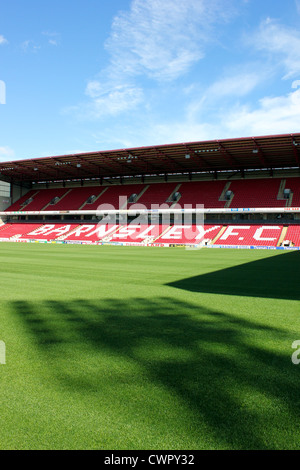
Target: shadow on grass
point(208, 359)
point(276, 277)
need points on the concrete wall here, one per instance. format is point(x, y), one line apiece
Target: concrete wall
point(18, 191)
point(4, 195)
point(4, 203)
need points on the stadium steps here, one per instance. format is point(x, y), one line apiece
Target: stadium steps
point(31, 197)
point(289, 202)
point(161, 234)
point(226, 188)
point(99, 195)
point(141, 193)
point(15, 237)
point(4, 226)
point(222, 230)
point(293, 234)
point(47, 205)
point(282, 235)
point(37, 228)
point(222, 197)
point(124, 206)
point(280, 195)
point(18, 235)
point(107, 238)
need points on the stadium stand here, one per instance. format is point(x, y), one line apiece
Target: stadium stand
point(256, 235)
point(12, 230)
point(91, 232)
point(110, 195)
point(244, 193)
point(77, 198)
point(138, 233)
point(202, 192)
point(233, 179)
point(230, 235)
point(256, 193)
point(188, 234)
point(157, 194)
point(49, 231)
point(294, 185)
point(43, 198)
point(292, 235)
point(20, 204)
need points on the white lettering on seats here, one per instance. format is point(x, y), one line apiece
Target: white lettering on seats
point(60, 230)
point(203, 232)
point(230, 231)
point(42, 230)
point(127, 231)
point(82, 229)
point(101, 231)
point(259, 231)
point(175, 232)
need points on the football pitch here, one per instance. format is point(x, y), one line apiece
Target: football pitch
point(110, 347)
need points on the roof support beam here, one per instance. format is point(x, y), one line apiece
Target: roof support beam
point(227, 156)
point(260, 153)
point(197, 158)
point(295, 151)
point(173, 162)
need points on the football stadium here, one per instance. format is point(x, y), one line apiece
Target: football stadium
point(150, 297)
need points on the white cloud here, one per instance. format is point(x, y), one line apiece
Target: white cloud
point(154, 133)
point(156, 39)
point(296, 83)
point(281, 43)
point(30, 46)
point(110, 100)
point(274, 115)
point(3, 40)
point(163, 38)
point(53, 37)
point(235, 85)
point(186, 131)
point(271, 115)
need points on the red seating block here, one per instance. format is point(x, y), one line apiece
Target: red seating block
point(256, 235)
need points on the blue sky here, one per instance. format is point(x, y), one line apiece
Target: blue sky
point(93, 75)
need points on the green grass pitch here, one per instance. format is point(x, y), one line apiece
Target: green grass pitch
point(113, 347)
